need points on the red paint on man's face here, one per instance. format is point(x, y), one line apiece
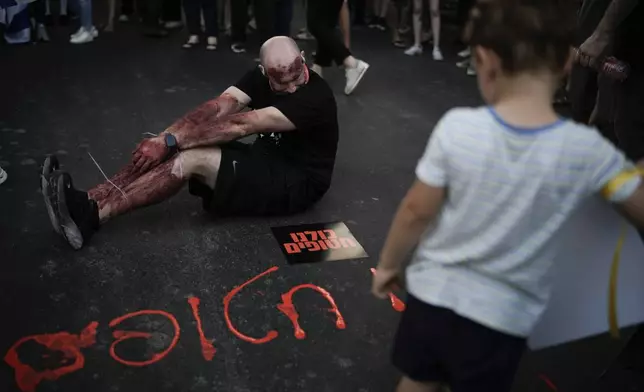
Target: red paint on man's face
point(28, 378)
point(270, 335)
point(207, 349)
point(287, 78)
point(288, 308)
point(121, 336)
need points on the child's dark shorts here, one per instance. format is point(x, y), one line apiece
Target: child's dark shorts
point(436, 344)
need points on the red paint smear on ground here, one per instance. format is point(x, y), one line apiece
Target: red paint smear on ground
point(550, 384)
point(270, 335)
point(120, 336)
point(207, 349)
point(288, 309)
point(28, 378)
point(396, 302)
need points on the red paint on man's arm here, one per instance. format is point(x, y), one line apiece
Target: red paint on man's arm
point(207, 349)
point(121, 336)
point(28, 378)
point(396, 302)
point(219, 107)
point(270, 335)
point(288, 308)
point(218, 130)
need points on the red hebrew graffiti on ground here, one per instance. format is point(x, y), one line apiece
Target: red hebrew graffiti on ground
point(207, 349)
point(121, 336)
point(28, 378)
point(288, 309)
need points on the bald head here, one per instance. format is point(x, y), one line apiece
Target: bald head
point(283, 64)
point(279, 52)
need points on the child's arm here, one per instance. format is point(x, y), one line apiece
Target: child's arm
point(632, 208)
point(417, 210)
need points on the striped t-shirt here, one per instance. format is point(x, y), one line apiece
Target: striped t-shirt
point(509, 190)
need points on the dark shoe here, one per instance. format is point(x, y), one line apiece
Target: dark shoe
point(47, 189)
point(238, 48)
point(78, 215)
point(155, 32)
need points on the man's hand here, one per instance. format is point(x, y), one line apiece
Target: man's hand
point(149, 153)
point(385, 281)
point(593, 48)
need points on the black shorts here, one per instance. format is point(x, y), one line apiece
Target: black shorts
point(251, 182)
point(435, 344)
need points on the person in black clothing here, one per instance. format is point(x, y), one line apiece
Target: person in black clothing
point(193, 10)
point(322, 18)
point(622, 28)
point(286, 170)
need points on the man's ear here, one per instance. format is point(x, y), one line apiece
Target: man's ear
point(303, 57)
point(261, 68)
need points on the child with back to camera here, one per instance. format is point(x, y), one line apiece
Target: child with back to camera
point(493, 187)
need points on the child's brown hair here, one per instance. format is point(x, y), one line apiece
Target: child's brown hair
point(527, 35)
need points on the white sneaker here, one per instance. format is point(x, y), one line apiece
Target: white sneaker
point(82, 38)
point(414, 51)
point(471, 70)
point(437, 55)
point(465, 53)
point(463, 64)
point(3, 176)
point(354, 76)
point(317, 69)
point(124, 18)
point(175, 24)
point(93, 31)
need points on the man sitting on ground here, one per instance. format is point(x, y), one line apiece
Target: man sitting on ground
point(286, 170)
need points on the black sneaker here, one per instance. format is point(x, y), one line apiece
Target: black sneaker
point(47, 188)
point(238, 48)
point(77, 214)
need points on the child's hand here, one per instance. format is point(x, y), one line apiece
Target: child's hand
point(385, 281)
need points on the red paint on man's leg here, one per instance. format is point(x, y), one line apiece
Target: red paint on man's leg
point(396, 302)
point(28, 378)
point(207, 349)
point(124, 177)
point(288, 308)
point(121, 336)
point(270, 335)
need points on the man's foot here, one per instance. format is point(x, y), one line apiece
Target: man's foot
point(47, 189)
point(77, 214)
point(41, 33)
point(191, 42)
point(83, 36)
point(437, 55)
point(238, 48)
point(211, 43)
point(173, 25)
point(415, 50)
point(354, 76)
point(465, 53)
point(317, 69)
point(3, 176)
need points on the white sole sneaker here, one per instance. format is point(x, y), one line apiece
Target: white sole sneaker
point(414, 51)
point(437, 55)
point(356, 74)
point(3, 176)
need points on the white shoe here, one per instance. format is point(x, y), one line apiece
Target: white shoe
point(463, 64)
point(42, 33)
point(317, 69)
point(173, 25)
point(471, 70)
point(82, 38)
point(124, 18)
point(437, 55)
point(354, 76)
point(3, 176)
point(414, 51)
point(93, 31)
point(465, 53)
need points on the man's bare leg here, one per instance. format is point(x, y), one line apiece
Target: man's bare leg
point(163, 182)
point(409, 385)
point(80, 215)
point(122, 178)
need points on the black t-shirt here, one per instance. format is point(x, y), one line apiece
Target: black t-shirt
point(629, 39)
point(313, 111)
